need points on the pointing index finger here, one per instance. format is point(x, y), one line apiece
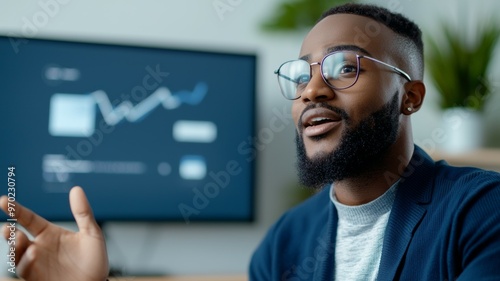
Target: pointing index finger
point(33, 223)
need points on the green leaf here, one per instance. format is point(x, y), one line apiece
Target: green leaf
point(294, 15)
point(458, 68)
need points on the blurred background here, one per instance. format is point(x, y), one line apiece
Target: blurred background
point(234, 26)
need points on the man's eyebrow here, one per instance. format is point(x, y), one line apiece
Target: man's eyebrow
point(347, 48)
point(306, 57)
point(340, 48)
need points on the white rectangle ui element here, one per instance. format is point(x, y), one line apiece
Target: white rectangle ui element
point(194, 131)
point(192, 167)
point(72, 115)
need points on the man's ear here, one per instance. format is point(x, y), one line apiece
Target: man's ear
point(413, 97)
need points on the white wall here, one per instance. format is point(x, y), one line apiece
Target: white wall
point(465, 14)
point(211, 248)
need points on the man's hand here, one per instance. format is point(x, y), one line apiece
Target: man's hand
point(58, 254)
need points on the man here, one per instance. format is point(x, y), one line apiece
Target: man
point(391, 212)
point(386, 211)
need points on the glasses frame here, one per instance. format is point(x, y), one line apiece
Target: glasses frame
point(358, 61)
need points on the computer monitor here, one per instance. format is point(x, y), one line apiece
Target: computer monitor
point(151, 134)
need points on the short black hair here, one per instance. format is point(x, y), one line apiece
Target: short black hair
point(397, 22)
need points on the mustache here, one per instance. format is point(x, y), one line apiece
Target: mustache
point(343, 114)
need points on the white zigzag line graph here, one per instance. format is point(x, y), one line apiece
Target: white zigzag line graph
point(126, 110)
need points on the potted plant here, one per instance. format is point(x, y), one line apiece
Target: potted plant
point(458, 67)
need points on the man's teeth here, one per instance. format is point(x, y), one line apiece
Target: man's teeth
point(318, 120)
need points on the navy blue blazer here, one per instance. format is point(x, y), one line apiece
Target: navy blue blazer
point(444, 225)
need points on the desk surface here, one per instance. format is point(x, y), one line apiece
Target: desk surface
point(184, 278)
point(174, 278)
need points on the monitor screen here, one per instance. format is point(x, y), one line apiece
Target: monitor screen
point(151, 134)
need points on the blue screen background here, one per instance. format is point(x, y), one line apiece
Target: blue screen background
point(120, 72)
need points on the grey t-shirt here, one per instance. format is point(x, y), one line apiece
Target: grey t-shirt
point(360, 235)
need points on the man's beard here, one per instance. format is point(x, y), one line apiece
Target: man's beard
point(359, 148)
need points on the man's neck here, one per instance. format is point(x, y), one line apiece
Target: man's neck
point(375, 181)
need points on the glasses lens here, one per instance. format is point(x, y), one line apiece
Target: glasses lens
point(340, 69)
point(293, 76)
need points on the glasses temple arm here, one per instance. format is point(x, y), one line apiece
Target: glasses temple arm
point(395, 69)
point(284, 76)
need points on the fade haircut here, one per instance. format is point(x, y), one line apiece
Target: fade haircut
point(398, 23)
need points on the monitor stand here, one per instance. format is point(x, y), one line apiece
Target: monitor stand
point(115, 271)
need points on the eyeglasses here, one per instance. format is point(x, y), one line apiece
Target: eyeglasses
point(340, 70)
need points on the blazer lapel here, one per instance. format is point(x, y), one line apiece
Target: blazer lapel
point(324, 270)
point(414, 192)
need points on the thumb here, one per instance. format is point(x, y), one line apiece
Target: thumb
point(82, 212)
